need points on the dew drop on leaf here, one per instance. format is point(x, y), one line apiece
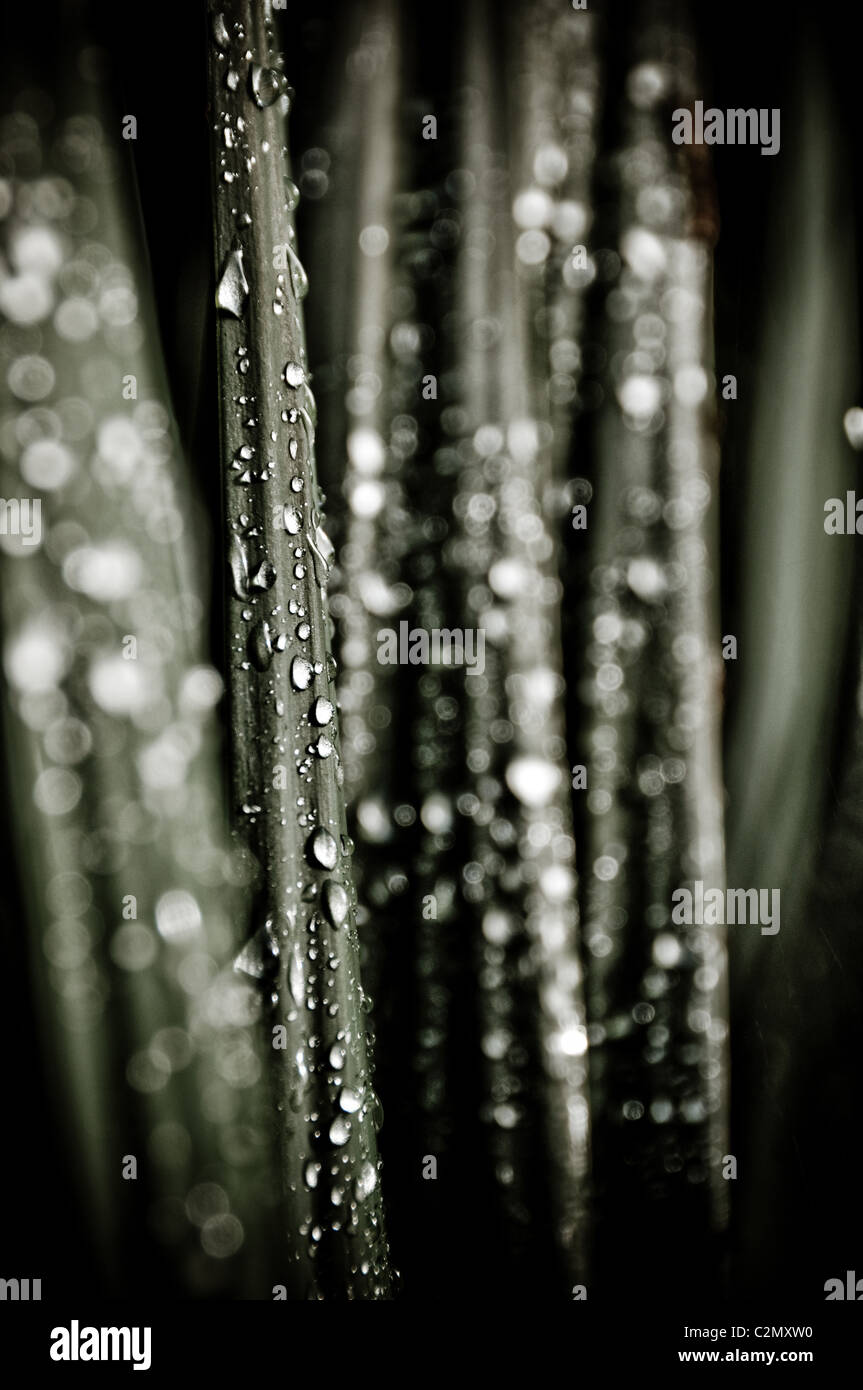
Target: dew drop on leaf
point(238, 561)
point(334, 899)
point(260, 646)
point(322, 711)
point(296, 978)
point(301, 673)
point(233, 289)
point(340, 1130)
point(266, 85)
point(220, 31)
point(350, 1100)
point(264, 576)
point(321, 849)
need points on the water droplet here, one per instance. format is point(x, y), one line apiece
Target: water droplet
point(260, 647)
point(296, 978)
point(295, 375)
point(266, 85)
point(293, 521)
point(311, 1174)
point(260, 953)
point(350, 1100)
point(334, 899)
point(322, 711)
point(233, 288)
point(264, 576)
point(301, 673)
point(238, 561)
point(232, 80)
point(298, 1089)
point(296, 484)
point(340, 1130)
point(220, 31)
point(324, 544)
point(323, 551)
point(292, 195)
point(304, 632)
point(299, 278)
point(324, 748)
point(321, 849)
point(292, 448)
point(366, 1182)
point(337, 1056)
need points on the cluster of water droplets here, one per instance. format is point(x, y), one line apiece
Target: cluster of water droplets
point(288, 771)
point(650, 672)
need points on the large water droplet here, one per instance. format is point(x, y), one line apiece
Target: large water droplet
point(238, 561)
point(366, 1182)
point(242, 458)
point(295, 374)
point(266, 85)
point(293, 521)
point(299, 278)
point(292, 195)
point(233, 289)
point(324, 544)
point(260, 646)
point(323, 551)
point(301, 673)
point(321, 849)
point(350, 1100)
point(296, 978)
point(260, 953)
point(334, 900)
point(340, 1130)
point(322, 711)
point(220, 31)
point(264, 576)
